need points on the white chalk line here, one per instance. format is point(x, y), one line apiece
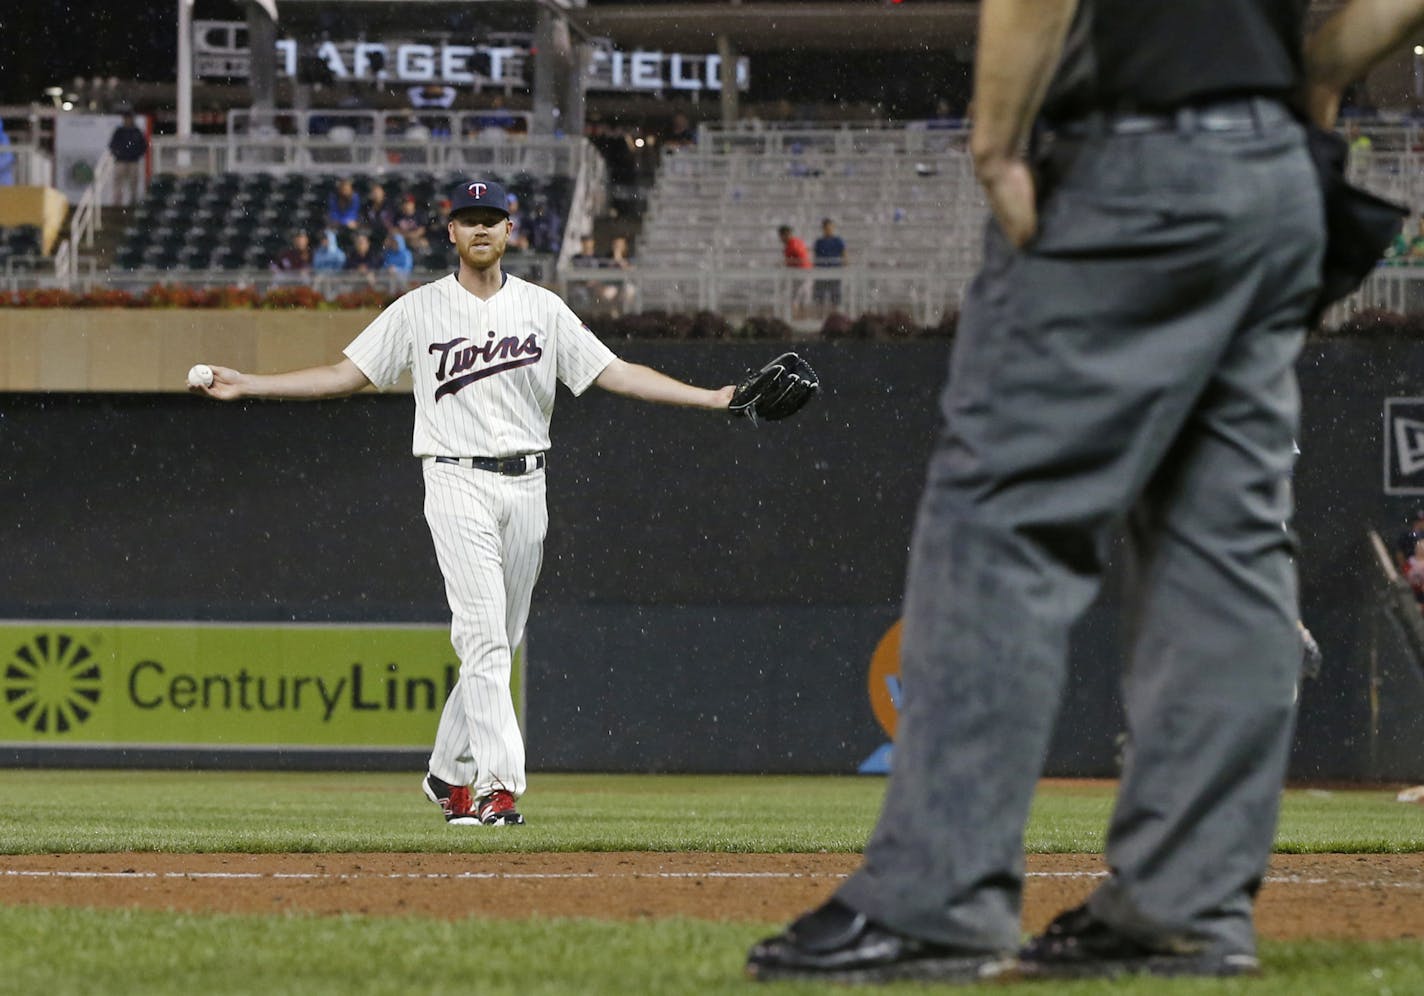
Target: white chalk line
point(60, 873)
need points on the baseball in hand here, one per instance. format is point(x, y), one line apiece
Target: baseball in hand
point(200, 376)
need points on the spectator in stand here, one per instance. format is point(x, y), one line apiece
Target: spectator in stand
point(1416, 243)
point(410, 225)
point(545, 227)
point(519, 238)
point(329, 258)
point(830, 251)
point(365, 256)
point(680, 133)
point(618, 254)
point(622, 292)
point(297, 256)
point(376, 211)
point(793, 248)
point(397, 256)
point(129, 145)
point(586, 257)
point(437, 233)
point(7, 159)
point(1360, 143)
point(796, 257)
point(495, 123)
point(343, 207)
point(432, 95)
point(944, 117)
point(1405, 543)
point(1398, 252)
point(1414, 571)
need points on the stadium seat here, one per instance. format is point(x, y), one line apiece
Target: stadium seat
point(232, 220)
point(128, 258)
point(159, 257)
point(195, 257)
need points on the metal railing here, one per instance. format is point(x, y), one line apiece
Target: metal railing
point(29, 166)
point(84, 221)
point(848, 138)
point(376, 154)
point(803, 298)
point(40, 273)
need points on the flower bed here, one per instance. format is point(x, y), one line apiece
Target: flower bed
point(180, 296)
point(1372, 324)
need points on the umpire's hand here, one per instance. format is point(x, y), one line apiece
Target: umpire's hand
point(1008, 183)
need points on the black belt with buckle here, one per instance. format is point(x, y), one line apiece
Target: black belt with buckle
point(508, 466)
point(1240, 114)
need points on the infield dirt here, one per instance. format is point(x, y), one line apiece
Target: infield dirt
point(1347, 896)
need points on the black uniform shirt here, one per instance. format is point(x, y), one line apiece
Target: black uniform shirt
point(1146, 55)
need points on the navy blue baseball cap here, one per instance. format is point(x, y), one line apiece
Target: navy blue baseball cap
point(478, 194)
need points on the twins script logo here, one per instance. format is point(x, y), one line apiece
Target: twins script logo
point(460, 355)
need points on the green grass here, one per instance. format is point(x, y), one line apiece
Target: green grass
point(73, 811)
point(117, 952)
point(64, 951)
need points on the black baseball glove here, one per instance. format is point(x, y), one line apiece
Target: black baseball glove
point(775, 391)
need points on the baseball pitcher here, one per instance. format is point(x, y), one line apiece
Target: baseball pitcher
point(484, 349)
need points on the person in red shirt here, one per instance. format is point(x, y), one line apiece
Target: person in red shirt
point(793, 248)
point(797, 257)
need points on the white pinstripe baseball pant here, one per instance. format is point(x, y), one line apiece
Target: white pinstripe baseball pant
point(489, 540)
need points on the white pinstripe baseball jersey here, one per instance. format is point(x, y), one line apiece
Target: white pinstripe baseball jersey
point(483, 371)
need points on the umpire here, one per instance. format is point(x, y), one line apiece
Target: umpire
point(1124, 354)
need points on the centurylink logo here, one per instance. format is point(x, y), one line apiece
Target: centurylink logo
point(51, 683)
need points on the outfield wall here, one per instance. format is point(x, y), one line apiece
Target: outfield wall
point(712, 593)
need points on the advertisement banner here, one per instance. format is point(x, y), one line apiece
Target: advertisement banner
point(1404, 446)
point(223, 684)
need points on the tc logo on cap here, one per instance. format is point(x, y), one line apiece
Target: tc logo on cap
point(476, 190)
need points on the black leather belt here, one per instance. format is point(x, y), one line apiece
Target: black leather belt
point(508, 466)
point(1244, 114)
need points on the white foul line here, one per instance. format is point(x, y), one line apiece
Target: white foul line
point(536, 876)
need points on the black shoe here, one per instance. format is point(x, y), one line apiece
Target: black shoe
point(834, 943)
point(497, 810)
point(1078, 946)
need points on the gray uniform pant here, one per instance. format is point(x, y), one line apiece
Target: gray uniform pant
point(1135, 364)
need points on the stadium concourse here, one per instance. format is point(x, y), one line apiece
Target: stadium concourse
point(220, 208)
point(902, 195)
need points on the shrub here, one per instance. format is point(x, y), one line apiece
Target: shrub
point(233, 297)
point(296, 296)
point(764, 327)
point(102, 297)
point(709, 325)
point(366, 297)
point(42, 297)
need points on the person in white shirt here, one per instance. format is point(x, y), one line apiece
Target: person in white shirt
point(484, 349)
